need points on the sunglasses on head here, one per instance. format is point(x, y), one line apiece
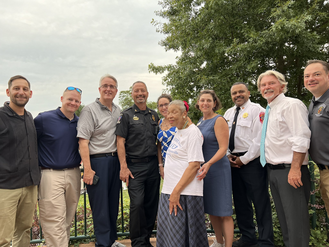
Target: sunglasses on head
point(72, 88)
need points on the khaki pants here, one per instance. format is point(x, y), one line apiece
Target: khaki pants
point(16, 215)
point(59, 193)
point(324, 188)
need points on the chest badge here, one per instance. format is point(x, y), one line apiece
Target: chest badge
point(320, 110)
point(245, 115)
point(135, 118)
point(153, 117)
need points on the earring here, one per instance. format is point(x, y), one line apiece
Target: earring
point(183, 116)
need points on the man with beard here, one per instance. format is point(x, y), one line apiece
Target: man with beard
point(137, 130)
point(245, 121)
point(59, 158)
point(19, 169)
point(283, 149)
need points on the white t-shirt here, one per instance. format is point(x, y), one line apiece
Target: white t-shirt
point(184, 148)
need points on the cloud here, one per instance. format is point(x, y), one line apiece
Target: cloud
point(74, 42)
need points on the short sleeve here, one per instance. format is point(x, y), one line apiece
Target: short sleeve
point(122, 125)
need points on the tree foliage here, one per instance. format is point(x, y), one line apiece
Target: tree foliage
point(222, 42)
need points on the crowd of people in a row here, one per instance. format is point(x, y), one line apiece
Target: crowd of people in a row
point(201, 164)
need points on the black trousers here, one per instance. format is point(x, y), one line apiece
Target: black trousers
point(144, 198)
point(250, 185)
point(292, 206)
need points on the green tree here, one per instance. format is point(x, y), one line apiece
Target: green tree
point(222, 42)
point(77, 112)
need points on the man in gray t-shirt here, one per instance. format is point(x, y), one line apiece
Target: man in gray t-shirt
point(316, 80)
point(97, 142)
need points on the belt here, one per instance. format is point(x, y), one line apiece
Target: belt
point(103, 155)
point(64, 169)
point(144, 160)
point(278, 166)
point(239, 154)
point(323, 167)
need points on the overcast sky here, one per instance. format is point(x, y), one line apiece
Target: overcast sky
point(61, 43)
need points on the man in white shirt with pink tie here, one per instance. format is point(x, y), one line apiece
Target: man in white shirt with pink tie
point(284, 150)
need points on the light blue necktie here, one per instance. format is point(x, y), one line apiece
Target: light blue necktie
point(262, 140)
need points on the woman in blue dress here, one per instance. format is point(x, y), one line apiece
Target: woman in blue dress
point(217, 195)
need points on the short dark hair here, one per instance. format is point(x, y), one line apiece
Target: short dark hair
point(324, 64)
point(241, 83)
point(218, 104)
point(166, 96)
point(10, 82)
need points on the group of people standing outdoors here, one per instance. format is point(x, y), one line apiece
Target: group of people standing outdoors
point(241, 151)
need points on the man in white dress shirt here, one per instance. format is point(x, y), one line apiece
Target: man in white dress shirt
point(287, 139)
point(244, 159)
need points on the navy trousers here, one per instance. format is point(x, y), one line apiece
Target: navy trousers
point(104, 199)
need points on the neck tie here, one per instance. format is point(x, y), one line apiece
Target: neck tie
point(231, 142)
point(262, 140)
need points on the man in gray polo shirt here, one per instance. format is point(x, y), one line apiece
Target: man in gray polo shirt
point(98, 150)
point(316, 80)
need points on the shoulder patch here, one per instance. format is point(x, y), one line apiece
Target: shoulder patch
point(261, 117)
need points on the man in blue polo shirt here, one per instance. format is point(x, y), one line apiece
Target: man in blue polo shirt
point(59, 159)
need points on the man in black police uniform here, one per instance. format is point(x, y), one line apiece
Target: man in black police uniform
point(137, 130)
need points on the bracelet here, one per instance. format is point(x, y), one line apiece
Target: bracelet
point(160, 164)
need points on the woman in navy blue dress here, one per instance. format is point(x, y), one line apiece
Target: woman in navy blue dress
point(216, 171)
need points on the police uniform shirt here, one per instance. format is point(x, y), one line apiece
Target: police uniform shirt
point(248, 129)
point(319, 124)
point(140, 129)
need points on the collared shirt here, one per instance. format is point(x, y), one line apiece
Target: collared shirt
point(97, 124)
point(319, 124)
point(58, 144)
point(287, 130)
point(248, 129)
point(140, 129)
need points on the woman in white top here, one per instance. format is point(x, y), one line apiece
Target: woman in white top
point(181, 219)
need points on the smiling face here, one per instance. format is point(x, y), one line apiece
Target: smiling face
point(163, 104)
point(176, 117)
point(107, 89)
point(316, 80)
point(270, 87)
point(139, 93)
point(239, 94)
point(19, 93)
point(71, 101)
point(206, 103)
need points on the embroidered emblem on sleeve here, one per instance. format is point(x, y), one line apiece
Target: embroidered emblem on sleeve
point(261, 117)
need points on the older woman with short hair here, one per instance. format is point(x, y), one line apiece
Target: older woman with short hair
point(181, 219)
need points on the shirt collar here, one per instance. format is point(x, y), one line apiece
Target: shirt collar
point(323, 97)
point(277, 100)
point(105, 107)
point(136, 109)
point(244, 105)
point(61, 114)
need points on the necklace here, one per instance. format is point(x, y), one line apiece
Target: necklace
point(185, 125)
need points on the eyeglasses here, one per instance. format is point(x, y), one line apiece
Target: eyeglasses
point(105, 86)
point(72, 88)
point(164, 105)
